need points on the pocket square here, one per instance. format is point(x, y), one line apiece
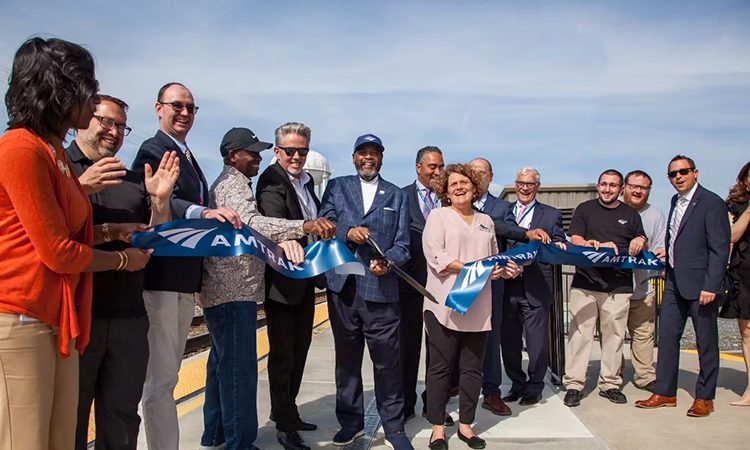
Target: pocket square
point(388, 208)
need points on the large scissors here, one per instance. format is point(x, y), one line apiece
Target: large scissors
point(397, 270)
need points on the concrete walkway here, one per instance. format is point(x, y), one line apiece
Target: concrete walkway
point(596, 424)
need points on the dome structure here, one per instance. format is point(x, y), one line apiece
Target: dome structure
point(317, 166)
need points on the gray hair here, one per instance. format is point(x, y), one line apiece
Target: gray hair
point(529, 171)
point(292, 128)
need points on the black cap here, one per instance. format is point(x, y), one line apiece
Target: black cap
point(242, 139)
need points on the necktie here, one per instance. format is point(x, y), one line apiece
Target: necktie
point(520, 209)
point(674, 227)
point(189, 157)
point(429, 203)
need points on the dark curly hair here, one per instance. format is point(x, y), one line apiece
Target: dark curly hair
point(440, 183)
point(49, 79)
point(740, 192)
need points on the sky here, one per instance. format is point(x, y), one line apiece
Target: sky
point(569, 87)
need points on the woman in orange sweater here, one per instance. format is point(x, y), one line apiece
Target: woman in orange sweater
point(45, 246)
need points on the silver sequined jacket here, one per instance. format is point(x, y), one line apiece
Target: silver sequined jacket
point(240, 278)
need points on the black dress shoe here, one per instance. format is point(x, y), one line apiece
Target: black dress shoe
point(572, 398)
point(614, 395)
point(512, 396)
point(438, 444)
point(291, 441)
point(530, 399)
point(473, 442)
point(306, 426)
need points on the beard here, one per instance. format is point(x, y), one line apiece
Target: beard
point(368, 174)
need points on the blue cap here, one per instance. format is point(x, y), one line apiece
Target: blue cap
point(368, 139)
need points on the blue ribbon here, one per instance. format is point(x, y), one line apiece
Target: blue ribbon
point(474, 275)
point(209, 237)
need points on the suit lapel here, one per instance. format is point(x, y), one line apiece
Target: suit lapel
point(414, 205)
point(290, 190)
point(536, 216)
point(354, 190)
point(688, 212)
point(380, 196)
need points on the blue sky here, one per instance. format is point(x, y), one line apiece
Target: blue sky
point(570, 87)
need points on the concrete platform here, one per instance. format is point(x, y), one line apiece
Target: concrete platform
point(596, 424)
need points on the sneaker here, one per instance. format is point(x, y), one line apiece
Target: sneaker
point(614, 395)
point(346, 436)
point(572, 398)
point(398, 441)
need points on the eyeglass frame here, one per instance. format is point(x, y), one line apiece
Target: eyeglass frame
point(526, 184)
point(122, 128)
point(290, 151)
point(684, 171)
point(179, 107)
point(638, 187)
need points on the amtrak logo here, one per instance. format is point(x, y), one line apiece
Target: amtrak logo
point(475, 271)
point(595, 256)
point(186, 237)
point(622, 221)
point(369, 138)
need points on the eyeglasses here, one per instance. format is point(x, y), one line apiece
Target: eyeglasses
point(526, 184)
point(179, 107)
point(290, 151)
point(108, 124)
point(637, 187)
point(683, 172)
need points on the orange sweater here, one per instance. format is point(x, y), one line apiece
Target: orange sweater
point(46, 235)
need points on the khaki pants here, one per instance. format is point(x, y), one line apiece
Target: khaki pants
point(641, 329)
point(38, 389)
point(612, 310)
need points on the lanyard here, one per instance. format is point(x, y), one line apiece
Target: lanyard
point(430, 205)
point(525, 213)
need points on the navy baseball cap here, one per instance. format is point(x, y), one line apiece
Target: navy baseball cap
point(242, 139)
point(368, 139)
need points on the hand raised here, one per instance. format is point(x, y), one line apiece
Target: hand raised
point(104, 173)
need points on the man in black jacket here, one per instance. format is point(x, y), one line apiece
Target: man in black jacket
point(172, 283)
point(285, 190)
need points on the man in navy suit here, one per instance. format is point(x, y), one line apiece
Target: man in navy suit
point(506, 229)
point(422, 200)
point(366, 309)
point(697, 252)
point(172, 283)
point(528, 297)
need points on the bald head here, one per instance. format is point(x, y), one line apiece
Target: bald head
point(483, 168)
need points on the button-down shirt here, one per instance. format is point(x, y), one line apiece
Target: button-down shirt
point(524, 213)
point(241, 278)
point(479, 204)
point(193, 211)
point(306, 202)
point(677, 216)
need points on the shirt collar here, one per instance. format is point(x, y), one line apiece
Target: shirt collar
point(479, 204)
point(421, 186)
point(76, 155)
point(689, 196)
point(182, 145)
point(303, 177)
point(371, 182)
point(529, 206)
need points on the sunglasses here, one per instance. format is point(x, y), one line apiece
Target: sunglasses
point(290, 151)
point(179, 107)
point(683, 172)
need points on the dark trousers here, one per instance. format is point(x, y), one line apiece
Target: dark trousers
point(289, 335)
point(492, 368)
point(112, 372)
point(519, 317)
point(410, 334)
point(675, 310)
point(355, 322)
point(446, 347)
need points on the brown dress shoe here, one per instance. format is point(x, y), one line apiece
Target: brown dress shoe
point(495, 404)
point(657, 401)
point(701, 408)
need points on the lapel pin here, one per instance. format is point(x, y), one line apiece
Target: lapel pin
point(381, 192)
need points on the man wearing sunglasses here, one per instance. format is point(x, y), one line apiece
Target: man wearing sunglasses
point(285, 190)
point(697, 252)
point(173, 283)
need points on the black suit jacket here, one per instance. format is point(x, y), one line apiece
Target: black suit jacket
point(537, 277)
point(506, 228)
point(702, 244)
point(277, 198)
point(171, 273)
point(417, 265)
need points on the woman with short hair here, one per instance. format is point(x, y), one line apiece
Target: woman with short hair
point(454, 235)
